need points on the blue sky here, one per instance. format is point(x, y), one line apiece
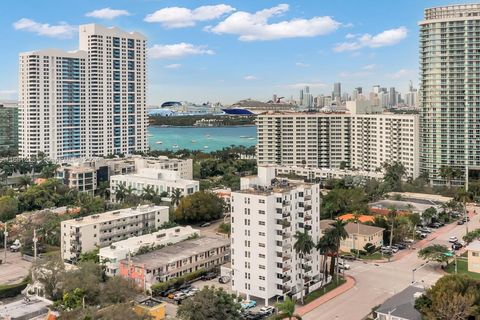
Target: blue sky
point(229, 50)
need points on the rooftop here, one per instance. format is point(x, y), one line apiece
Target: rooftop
point(278, 186)
point(353, 228)
point(474, 246)
point(362, 218)
point(114, 215)
point(178, 251)
point(22, 309)
point(402, 305)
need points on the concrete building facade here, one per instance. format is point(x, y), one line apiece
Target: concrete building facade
point(9, 127)
point(100, 230)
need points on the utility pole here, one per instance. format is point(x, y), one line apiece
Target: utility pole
point(5, 235)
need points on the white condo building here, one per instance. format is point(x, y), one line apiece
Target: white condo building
point(100, 230)
point(87, 102)
point(160, 180)
point(265, 216)
point(362, 138)
point(122, 249)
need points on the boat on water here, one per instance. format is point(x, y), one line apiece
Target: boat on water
point(243, 137)
point(175, 146)
point(194, 141)
point(159, 142)
point(205, 147)
point(250, 107)
point(251, 138)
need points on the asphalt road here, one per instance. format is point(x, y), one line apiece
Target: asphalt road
point(376, 282)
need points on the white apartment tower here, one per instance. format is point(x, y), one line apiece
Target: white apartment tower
point(53, 106)
point(265, 216)
point(91, 102)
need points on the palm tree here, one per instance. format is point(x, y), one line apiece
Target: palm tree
point(129, 190)
point(447, 173)
point(337, 233)
point(48, 171)
point(176, 197)
point(120, 192)
point(103, 189)
point(303, 245)
point(392, 215)
point(326, 247)
point(463, 196)
point(148, 193)
point(24, 182)
point(286, 309)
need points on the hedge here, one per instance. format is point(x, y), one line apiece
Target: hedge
point(178, 281)
point(12, 290)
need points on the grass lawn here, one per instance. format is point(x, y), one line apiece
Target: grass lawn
point(373, 256)
point(462, 268)
point(320, 292)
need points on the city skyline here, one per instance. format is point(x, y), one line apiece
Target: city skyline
point(238, 47)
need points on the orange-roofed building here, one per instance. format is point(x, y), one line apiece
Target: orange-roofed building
point(362, 218)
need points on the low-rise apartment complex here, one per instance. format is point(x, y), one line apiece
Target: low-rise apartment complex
point(358, 235)
point(158, 179)
point(122, 249)
point(265, 215)
point(100, 230)
point(175, 260)
point(83, 179)
point(361, 137)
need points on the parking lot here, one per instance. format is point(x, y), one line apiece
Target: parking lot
point(15, 269)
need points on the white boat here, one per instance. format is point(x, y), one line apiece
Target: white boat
point(175, 146)
point(243, 137)
point(205, 147)
point(194, 141)
point(159, 142)
point(251, 138)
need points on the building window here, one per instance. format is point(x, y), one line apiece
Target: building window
point(261, 267)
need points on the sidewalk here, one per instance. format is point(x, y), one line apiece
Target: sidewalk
point(350, 283)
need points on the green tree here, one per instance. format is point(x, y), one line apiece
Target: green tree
point(91, 256)
point(394, 173)
point(88, 277)
point(472, 236)
point(176, 196)
point(392, 216)
point(429, 214)
point(327, 247)
point(337, 233)
point(198, 207)
point(73, 300)
point(8, 208)
point(453, 297)
point(286, 310)
point(415, 220)
point(210, 303)
point(50, 272)
point(103, 190)
point(303, 246)
point(435, 252)
point(118, 290)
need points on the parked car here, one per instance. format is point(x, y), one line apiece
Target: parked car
point(267, 310)
point(179, 296)
point(167, 292)
point(386, 250)
point(394, 249)
point(460, 222)
point(425, 230)
point(391, 249)
point(409, 241)
point(15, 247)
point(253, 315)
point(224, 279)
point(171, 295)
point(400, 245)
point(435, 225)
point(349, 257)
point(453, 239)
point(465, 219)
point(421, 234)
point(343, 266)
point(206, 224)
point(192, 292)
point(185, 287)
point(456, 246)
point(209, 276)
point(248, 304)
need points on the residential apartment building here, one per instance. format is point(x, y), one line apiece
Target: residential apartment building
point(183, 166)
point(100, 230)
point(9, 127)
point(358, 235)
point(122, 249)
point(159, 180)
point(360, 138)
point(449, 96)
point(53, 106)
point(83, 179)
point(175, 260)
point(265, 215)
point(86, 102)
point(324, 174)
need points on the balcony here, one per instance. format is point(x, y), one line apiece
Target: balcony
point(286, 278)
point(307, 268)
point(286, 257)
point(286, 223)
point(286, 235)
point(286, 268)
point(308, 217)
point(286, 289)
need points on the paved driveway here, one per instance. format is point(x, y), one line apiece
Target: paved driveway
point(375, 282)
point(15, 269)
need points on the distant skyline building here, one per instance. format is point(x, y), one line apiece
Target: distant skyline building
point(337, 91)
point(9, 127)
point(89, 102)
point(392, 99)
point(449, 101)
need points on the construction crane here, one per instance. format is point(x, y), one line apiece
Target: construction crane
point(278, 99)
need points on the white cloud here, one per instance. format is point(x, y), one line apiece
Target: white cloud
point(369, 67)
point(8, 94)
point(350, 36)
point(302, 65)
point(302, 85)
point(347, 74)
point(62, 30)
point(249, 78)
point(178, 17)
point(107, 13)
point(255, 26)
point(382, 39)
point(173, 66)
point(401, 73)
point(178, 50)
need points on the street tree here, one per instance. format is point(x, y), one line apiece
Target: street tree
point(286, 310)
point(210, 303)
point(453, 297)
point(198, 207)
point(50, 272)
point(303, 246)
point(472, 236)
point(435, 252)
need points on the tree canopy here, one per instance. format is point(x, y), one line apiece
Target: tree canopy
point(210, 303)
point(198, 207)
point(435, 252)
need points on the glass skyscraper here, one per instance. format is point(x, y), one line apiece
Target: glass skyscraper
point(450, 92)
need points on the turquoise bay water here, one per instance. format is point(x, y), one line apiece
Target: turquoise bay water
point(206, 139)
